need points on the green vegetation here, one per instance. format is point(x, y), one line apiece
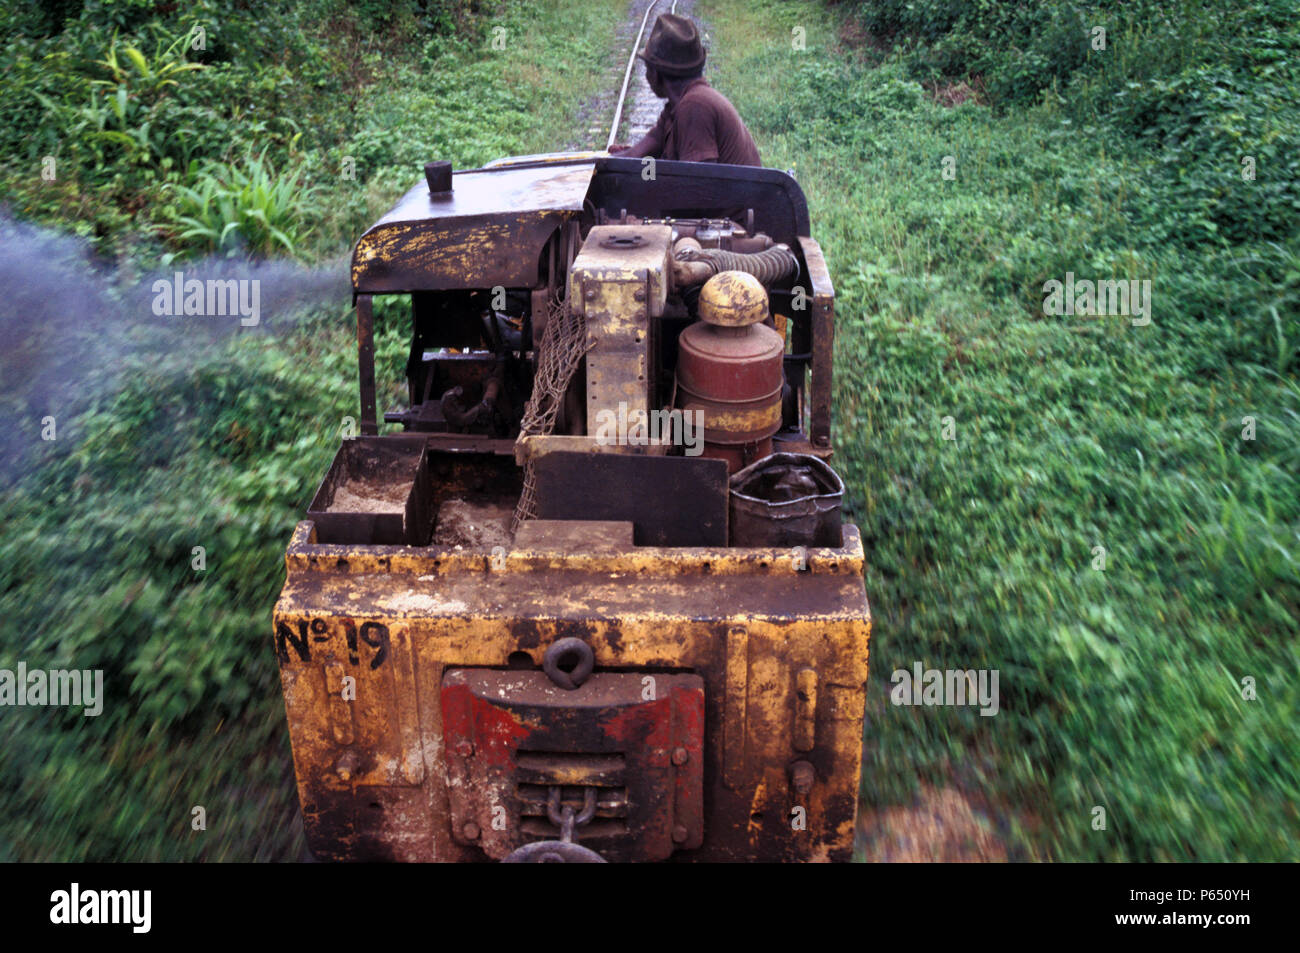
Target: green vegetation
point(1122, 687)
point(151, 111)
point(244, 206)
point(175, 436)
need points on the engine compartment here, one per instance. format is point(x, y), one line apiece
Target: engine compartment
point(557, 324)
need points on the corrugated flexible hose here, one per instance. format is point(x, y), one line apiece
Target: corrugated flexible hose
point(770, 266)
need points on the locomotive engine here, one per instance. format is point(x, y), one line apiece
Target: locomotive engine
point(591, 597)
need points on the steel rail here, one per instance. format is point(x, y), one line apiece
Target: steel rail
point(627, 75)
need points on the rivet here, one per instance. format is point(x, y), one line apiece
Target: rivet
point(680, 756)
point(471, 831)
point(680, 833)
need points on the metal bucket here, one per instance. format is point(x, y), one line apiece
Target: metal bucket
point(786, 499)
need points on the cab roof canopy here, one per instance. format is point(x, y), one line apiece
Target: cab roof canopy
point(492, 227)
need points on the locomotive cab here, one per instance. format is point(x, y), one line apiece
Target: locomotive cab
point(594, 599)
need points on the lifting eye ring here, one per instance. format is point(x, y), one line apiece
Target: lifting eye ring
point(574, 655)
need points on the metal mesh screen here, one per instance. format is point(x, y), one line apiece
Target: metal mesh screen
point(564, 343)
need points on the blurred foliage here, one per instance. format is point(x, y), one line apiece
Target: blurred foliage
point(1122, 687)
point(191, 437)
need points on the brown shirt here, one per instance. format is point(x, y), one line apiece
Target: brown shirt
point(704, 127)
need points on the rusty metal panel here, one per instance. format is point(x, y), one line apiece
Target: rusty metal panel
point(489, 230)
point(688, 189)
point(497, 191)
point(359, 676)
point(530, 446)
point(619, 282)
point(574, 535)
point(805, 709)
point(823, 341)
point(671, 501)
point(638, 740)
point(745, 621)
point(366, 364)
point(737, 692)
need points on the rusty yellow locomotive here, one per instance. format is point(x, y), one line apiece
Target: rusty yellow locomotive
point(593, 600)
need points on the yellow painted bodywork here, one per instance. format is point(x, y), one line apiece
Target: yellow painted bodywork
point(779, 636)
point(620, 291)
point(365, 633)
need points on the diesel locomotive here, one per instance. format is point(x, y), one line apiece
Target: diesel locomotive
point(589, 597)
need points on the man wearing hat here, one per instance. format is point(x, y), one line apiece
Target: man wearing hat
point(698, 124)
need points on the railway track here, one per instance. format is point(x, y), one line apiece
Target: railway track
point(644, 107)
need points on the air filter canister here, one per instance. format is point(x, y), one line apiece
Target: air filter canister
point(729, 366)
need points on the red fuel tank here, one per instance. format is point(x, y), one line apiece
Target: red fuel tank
point(729, 366)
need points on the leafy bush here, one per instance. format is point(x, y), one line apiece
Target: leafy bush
point(125, 110)
point(1021, 47)
point(245, 208)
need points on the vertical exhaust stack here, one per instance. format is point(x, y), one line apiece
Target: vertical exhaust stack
point(438, 175)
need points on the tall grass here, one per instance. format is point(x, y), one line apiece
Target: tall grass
point(1123, 687)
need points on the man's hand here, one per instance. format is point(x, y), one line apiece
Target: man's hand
point(647, 146)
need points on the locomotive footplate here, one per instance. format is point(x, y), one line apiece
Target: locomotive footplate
point(622, 751)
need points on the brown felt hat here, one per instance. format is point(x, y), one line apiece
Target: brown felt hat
point(674, 47)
